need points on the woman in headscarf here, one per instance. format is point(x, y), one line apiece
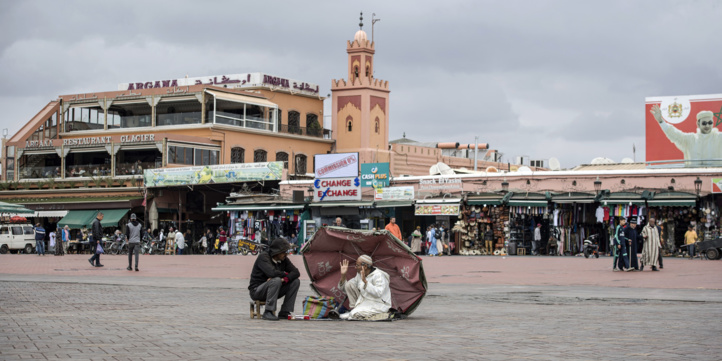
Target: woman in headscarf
point(416, 241)
point(431, 235)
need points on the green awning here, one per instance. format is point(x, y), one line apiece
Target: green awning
point(671, 202)
point(528, 203)
point(13, 209)
point(638, 202)
point(244, 207)
point(78, 219)
point(111, 217)
point(481, 202)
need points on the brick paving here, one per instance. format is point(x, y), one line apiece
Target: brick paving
point(196, 307)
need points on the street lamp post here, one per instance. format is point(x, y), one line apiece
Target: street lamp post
point(597, 186)
point(698, 186)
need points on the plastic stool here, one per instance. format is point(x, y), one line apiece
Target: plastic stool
point(256, 308)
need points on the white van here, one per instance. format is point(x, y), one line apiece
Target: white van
point(16, 236)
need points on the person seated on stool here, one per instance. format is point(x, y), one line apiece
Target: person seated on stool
point(274, 276)
point(369, 293)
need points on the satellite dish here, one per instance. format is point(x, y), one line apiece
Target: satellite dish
point(554, 164)
point(627, 160)
point(491, 169)
point(445, 169)
point(524, 170)
point(602, 160)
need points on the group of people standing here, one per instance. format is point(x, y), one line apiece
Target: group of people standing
point(434, 242)
point(625, 242)
point(58, 240)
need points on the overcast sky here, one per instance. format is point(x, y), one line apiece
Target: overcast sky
point(563, 79)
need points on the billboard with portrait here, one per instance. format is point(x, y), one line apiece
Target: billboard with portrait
point(684, 127)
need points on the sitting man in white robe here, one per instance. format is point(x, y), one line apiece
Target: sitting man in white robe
point(369, 294)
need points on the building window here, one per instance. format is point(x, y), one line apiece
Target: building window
point(312, 126)
point(349, 123)
point(259, 155)
point(282, 157)
point(355, 71)
point(180, 155)
point(294, 122)
point(300, 163)
point(237, 155)
point(377, 125)
point(206, 157)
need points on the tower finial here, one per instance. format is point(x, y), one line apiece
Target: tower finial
point(361, 23)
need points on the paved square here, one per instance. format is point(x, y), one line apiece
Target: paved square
point(196, 307)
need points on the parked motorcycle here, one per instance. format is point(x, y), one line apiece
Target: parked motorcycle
point(591, 246)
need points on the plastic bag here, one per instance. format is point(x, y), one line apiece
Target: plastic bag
point(99, 249)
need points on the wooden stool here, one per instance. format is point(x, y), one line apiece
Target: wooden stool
point(256, 308)
point(521, 251)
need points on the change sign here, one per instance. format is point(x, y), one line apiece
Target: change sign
point(337, 189)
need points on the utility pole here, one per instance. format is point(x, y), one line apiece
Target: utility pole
point(476, 150)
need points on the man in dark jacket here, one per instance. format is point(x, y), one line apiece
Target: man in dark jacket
point(97, 230)
point(133, 231)
point(274, 276)
point(39, 239)
point(632, 241)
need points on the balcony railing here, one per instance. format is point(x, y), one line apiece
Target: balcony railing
point(311, 132)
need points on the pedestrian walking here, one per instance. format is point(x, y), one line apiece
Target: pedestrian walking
point(59, 249)
point(652, 245)
point(690, 238)
point(537, 240)
point(180, 242)
point(416, 241)
point(431, 236)
point(132, 232)
point(39, 239)
point(631, 233)
point(66, 238)
point(97, 230)
point(621, 260)
point(51, 244)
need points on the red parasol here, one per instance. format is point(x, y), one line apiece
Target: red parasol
point(324, 252)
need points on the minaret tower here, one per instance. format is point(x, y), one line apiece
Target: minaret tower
point(361, 105)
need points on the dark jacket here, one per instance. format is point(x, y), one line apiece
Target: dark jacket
point(266, 268)
point(489, 235)
point(39, 233)
point(97, 230)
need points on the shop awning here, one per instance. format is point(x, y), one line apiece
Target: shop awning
point(573, 197)
point(78, 218)
point(527, 203)
point(393, 204)
point(438, 201)
point(624, 198)
point(11, 209)
point(491, 200)
point(243, 99)
point(111, 217)
point(244, 207)
point(343, 204)
point(674, 199)
point(51, 213)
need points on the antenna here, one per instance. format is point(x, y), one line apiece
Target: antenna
point(373, 21)
point(361, 21)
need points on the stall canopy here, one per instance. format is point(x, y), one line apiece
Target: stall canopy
point(573, 197)
point(679, 199)
point(391, 204)
point(489, 199)
point(78, 218)
point(624, 198)
point(524, 199)
point(256, 207)
point(10, 209)
point(51, 213)
point(111, 217)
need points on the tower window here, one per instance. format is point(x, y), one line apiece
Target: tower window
point(349, 123)
point(377, 125)
point(355, 71)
